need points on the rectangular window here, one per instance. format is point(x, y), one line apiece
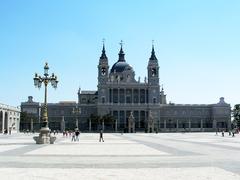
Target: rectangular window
point(128, 96)
point(115, 95)
point(154, 100)
point(142, 96)
point(110, 95)
point(122, 97)
point(135, 96)
point(103, 100)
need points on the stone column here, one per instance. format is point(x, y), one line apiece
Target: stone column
point(139, 120)
point(7, 121)
point(145, 92)
point(139, 90)
point(3, 121)
point(215, 125)
point(229, 124)
point(109, 95)
point(90, 124)
point(125, 119)
point(132, 96)
point(116, 125)
point(177, 125)
point(31, 125)
point(63, 124)
point(118, 95)
point(112, 95)
point(145, 119)
point(159, 120)
point(189, 124)
point(125, 97)
point(18, 124)
point(165, 124)
point(103, 125)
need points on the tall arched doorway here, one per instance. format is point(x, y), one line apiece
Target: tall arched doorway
point(1, 122)
point(6, 122)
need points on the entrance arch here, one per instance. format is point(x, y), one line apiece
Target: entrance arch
point(1, 122)
point(6, 122)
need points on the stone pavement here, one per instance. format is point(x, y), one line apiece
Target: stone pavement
point(178, 156)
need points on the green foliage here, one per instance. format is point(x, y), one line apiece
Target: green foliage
point(95, 119)
point(24, 117)
point(107, 119)
point(236, 115)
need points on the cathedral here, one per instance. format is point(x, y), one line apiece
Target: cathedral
point(129, 105)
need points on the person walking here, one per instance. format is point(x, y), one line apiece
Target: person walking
point(222, 133)
point(101, 136)
point(77, 133)
point(233, 132)
point(73, 136)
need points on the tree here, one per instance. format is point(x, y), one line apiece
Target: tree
point(23, 117)
point(108, 119)
point(95, 121)
point(26, 119)
point(236, 115)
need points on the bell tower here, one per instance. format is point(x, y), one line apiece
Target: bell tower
point(103, 67)
point(153, 78)
point(153, 69)
point(103, 76)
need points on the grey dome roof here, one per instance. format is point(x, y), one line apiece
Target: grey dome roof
point(120, 66)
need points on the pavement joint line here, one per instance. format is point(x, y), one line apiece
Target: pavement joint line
point(160, 147)
point(40, 155)
point(21, 150)
point(112, 165)
point(209, 144)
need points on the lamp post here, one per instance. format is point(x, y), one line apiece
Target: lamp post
point(170, 124)
point(44, 136)
point(76, 111)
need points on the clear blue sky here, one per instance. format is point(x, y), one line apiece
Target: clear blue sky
point(197, 44)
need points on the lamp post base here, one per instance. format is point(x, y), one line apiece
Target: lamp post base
point(44, 137)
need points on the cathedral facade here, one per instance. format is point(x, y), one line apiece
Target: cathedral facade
point(132, 105)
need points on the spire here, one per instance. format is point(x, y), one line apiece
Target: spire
point(121, 54)
point(153, 56)
point(162, 91)
point(79, 90)
point(103, 56)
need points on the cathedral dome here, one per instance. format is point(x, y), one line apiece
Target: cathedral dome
point(120, 66)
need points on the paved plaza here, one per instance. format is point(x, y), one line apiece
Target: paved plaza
point(188, 156)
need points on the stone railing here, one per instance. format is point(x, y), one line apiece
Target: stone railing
point(9, 108)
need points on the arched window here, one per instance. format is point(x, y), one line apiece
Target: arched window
point(103, 100)
point(154, 100)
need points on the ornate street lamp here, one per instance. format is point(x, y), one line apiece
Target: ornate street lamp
point(44, 136)
point(76, 111)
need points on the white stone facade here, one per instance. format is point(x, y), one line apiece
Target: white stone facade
point(9, 119)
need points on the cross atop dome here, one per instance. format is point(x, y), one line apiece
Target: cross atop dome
point(103, 56)
point(153, 56)
point(121, 43)
point(121, 53)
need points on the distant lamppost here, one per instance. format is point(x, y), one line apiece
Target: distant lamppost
point(170, 124)
point(44, 136)
point(76, 111)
